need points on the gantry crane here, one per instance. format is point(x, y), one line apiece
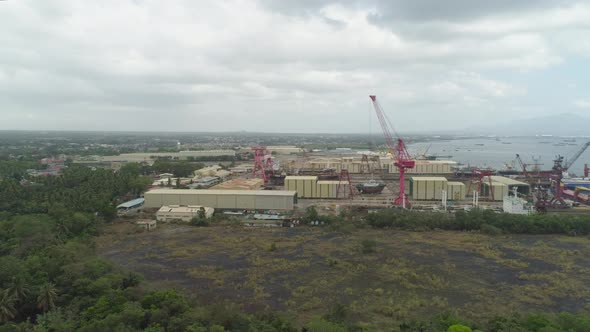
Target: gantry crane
point(403, 160)
point(559, 167)
point(522, 165)
point(575, 157)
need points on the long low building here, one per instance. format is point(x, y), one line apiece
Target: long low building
point(223, 199)
point(183, 213)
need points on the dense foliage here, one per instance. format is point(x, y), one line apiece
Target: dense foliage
point(80, 189)
point(484, 220)
point(52, 280)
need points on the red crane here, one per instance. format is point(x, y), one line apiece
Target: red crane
point(403, 160)
point(522, 165)
point(263, 163)
point(575, 157)
point(478, 178)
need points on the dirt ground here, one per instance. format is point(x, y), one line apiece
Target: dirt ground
point(410, 275)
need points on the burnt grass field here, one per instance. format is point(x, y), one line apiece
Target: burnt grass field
point(405, 275)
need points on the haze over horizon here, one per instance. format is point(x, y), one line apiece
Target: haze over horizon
point(290, 66)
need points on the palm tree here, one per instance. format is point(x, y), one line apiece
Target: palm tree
point(7, 306)
point(18, 289)
point(47, 297)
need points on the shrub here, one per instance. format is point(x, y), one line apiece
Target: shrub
point(368, 246)
point(199, 222)
point(459, 328)
point(490, 230)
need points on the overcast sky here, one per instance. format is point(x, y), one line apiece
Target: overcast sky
point(289, 66)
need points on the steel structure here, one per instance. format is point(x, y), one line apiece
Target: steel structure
point(403, 160)
point(477, 178)
point(522, 165)
point(558, 169)
point(263, 163)
point(575, 157)
point(365, 167)
point(344, 187)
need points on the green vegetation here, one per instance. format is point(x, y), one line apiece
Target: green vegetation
point(178, 168)
point(51, 278)
point(484, 220)
point(322, 279)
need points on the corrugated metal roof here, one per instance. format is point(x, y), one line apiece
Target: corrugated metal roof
point(428, 178)
point(454, 183)
point(507, 181)
point(440, 162)
point(301, 177)
point(185, 209)
point(222, 192)
point(131, 203)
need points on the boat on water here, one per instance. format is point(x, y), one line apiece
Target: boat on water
point(370, 187)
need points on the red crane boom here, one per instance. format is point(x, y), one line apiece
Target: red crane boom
point(403, 160)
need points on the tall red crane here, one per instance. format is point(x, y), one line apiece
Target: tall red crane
point(575, 157)
point(522, 165)
point(403, 160)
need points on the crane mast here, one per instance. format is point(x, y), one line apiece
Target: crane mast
point(575, 157)
point(522, 165)
point(403, 160)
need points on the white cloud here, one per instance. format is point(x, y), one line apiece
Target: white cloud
point(582, 103)
point(97, 64)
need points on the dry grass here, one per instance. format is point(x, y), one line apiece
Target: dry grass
point(410, 275)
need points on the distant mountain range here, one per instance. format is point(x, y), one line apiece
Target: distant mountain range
point(565, 124)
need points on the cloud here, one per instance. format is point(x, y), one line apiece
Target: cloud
point(582, 103)
point(296, 66)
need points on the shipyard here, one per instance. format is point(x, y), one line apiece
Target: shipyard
point(295, 166)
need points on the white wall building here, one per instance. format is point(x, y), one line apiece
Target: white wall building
point(182, 213)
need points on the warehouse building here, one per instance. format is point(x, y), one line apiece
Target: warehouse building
point(427, 167)
point(240, 184)
point(310, 187)
point(455, 191)
point(182, 213)
point(355, 165)
point(223, 199)
point(130, 207)
point(501, 186)
point(428, 188)
point(204, 182)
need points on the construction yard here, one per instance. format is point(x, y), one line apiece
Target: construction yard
point(380, 276)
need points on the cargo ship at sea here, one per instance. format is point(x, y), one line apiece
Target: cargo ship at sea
point(370, 187)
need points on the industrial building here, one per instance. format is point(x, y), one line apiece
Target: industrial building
point(223, 199)
point(356, 166)
point(182, 213)
point(428, 188)
point(240, 184)
point(515, 205)
point(148, 225)
point(211, 171)
point(310, 187)
point(204, 182)
point(455, 191)
point(501, 186)
point(428, 167)
point(130, 207)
